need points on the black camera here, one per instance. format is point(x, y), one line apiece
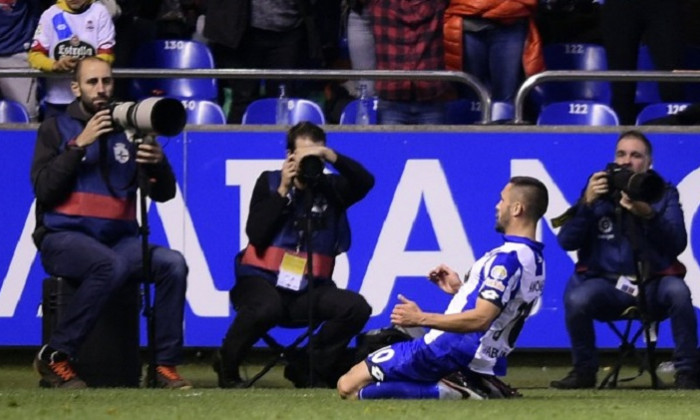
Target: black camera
point(160, 116)
point(310, 170)
point(645, 186)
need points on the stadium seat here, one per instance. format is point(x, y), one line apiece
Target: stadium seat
point(468, 111)
point(173, 54)
point(463, 111)
point(577, 113)
point(502, 111)
point(203, 112)
point(348, 117)
point(659, 110)
point(13, 112)
point(264, 111)
point(569, 56)
point(647, 92)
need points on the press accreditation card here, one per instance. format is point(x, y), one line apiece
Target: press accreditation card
point(627, 284)
point(291, 275)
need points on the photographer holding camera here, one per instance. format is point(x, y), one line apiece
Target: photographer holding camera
point(84, 176)
point(622, 220)
point(272, 272)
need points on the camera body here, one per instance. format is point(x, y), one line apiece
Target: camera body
point(311, 170)
point(154, 116)
point(645, 186)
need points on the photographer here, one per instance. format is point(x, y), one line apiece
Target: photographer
point(84, 176)
point(612, 230)
point(272, 272)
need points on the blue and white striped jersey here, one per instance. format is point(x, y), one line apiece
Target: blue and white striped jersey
point(512, 278)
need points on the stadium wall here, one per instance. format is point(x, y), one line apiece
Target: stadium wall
point(434, 201)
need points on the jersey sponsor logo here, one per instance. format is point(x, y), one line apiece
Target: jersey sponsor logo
point(498, 272)
point(121, 153)
point(90, 25)
point(73, 47)
point(489, 295)
point(61, 26)
point(495, 284)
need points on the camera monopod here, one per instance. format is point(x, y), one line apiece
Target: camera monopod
point(642, 268)
point(308, 232)
point(143, 121)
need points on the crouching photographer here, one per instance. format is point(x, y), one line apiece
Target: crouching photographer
point(296, 227)
point(627, 215)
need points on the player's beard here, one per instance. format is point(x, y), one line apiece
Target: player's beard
point(502, 223)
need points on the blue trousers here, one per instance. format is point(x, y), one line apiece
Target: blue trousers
point(100, 271)
point(495, 57)
point(588, 299)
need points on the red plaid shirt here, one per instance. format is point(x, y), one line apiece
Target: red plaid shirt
point(408, 36)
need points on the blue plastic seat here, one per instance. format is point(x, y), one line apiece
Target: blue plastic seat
point(202, 111)
point(647, 92)
point(264, 111)
point(502, 111)
point(468, 111)
point(577, 113)
point(659, 110)
point(13, 112)
point(174, 54)
point(348, 117)
point(571, 56)
point(463, 111)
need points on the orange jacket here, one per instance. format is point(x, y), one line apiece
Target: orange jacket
point(501, 11)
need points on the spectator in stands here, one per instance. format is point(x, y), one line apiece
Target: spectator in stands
point(67, 32)
point(361, 40)
point(176, 19)
point(494, 40)
point(408, 36)
point(271, 281)
point(625, 24)
point(263, 34)
point(18, 20)
point(468, 344)
point(83, 174)
point(601, 227)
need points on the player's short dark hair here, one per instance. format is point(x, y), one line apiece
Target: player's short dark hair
point(535, 195)
point(305, 129)
point(635, 134)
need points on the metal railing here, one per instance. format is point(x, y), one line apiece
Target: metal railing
point(613, 76)
point(446, 76)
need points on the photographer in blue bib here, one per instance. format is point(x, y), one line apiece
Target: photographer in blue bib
point(84, 174)
point(628, 217)
point(272, 271)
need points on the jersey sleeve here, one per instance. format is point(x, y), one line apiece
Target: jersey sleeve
point(501, 278)
point(42, 35)
point(105, 34)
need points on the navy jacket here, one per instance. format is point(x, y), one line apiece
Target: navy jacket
point(599, 235)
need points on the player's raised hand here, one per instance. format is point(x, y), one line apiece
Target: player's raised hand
point(407, 313)
point(446, 278)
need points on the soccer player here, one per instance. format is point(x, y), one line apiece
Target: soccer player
point(470, 341)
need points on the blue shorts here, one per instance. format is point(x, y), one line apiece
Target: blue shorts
point(417, 361)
